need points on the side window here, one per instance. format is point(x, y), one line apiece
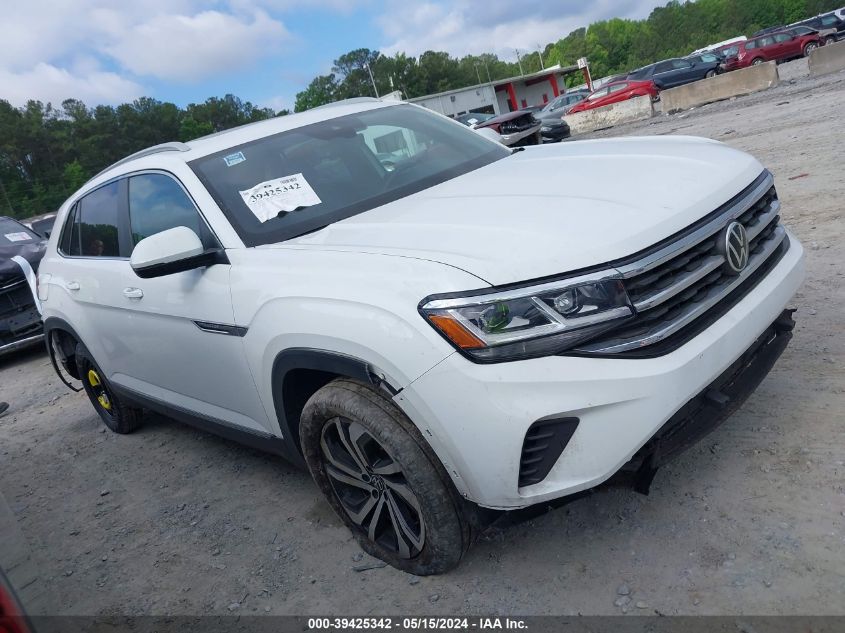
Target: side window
point(95, 232)
point(751, 45)
point(766, 41)
point(69, 244)
point(680, 63)
point(782, 37)
point(618, 87)
point(157, 203)
point(598, 94)
point(662, 67)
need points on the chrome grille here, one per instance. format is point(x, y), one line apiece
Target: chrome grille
point(682, 281)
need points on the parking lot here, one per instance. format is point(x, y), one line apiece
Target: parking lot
point(170, 520)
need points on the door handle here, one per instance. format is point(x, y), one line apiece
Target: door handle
point(72, 285)
point(133, 293)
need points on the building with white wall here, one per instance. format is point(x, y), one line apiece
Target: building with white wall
point(503, 95)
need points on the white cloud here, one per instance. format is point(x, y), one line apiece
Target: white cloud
point(190, 48)
point(463, 27)
point(102, 52)
point(48, 83)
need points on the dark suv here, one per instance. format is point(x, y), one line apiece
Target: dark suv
point(676, 72)
point(826, 24)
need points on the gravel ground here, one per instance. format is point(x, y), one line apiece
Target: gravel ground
point(750, 521)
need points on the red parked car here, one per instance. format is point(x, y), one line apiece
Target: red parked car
point(779, 46)
point(615, 92)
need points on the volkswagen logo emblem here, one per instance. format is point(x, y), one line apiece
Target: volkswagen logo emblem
point(735, 248)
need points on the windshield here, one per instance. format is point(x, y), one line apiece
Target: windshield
point(295, 182)
point(12, 232)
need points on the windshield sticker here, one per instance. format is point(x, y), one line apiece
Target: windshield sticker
point(18, 237)
point(268, 199)
point(234, 159)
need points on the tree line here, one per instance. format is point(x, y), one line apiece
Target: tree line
point(47, 152)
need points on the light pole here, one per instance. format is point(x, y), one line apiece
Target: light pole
point(478, 73)
point(369, 70)
point(519, 61)
point(540, 55)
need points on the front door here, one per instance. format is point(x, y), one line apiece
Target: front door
point(187, 353)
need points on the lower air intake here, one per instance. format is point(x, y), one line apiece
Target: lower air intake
point(544, 442)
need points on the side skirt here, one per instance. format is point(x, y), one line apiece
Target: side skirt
point(254, 439)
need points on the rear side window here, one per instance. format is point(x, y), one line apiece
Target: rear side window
point(92, 228)
point(751, 45)
point(782, 37)
point(157, 203)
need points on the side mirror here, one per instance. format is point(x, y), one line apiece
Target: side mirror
point(172, 251)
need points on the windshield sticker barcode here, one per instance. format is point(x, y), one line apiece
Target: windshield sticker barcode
point(269, 198)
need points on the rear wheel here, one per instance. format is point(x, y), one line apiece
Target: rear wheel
point(114, 413)
point(382, 479)
point(809, 48)
point(710, 73)
point(756, 61)
point(830, 39)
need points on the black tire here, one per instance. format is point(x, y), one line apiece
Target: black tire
point(830, 39)
point(116, 415)
point(756, 61)
point(710, 73)
point(809, 48)
point(350, 432)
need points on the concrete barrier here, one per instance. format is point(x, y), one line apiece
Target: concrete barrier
point(827, 59)
point(732, 84)
point(634, 109)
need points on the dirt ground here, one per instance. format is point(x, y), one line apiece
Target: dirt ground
point(750, 521)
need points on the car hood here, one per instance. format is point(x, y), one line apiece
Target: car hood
point(32, 252)
point(551, 209)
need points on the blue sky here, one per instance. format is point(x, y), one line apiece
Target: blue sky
point(264, 51)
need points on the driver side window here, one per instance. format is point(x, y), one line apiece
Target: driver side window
point(157, 203)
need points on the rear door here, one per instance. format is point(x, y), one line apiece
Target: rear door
point(664, 74)
point(616, 93)
point(87, 287)
point(767, 48)
point(684, 72)
point(183, 349)
point(788, 45)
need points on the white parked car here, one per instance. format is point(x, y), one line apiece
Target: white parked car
point(470, 328)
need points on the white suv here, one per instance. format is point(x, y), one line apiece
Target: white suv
point(428, 321)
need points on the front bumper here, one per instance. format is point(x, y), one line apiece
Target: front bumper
point(20, 322)
point(476, 416)
point(551, 133)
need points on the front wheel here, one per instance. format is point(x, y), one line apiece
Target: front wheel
point(809, 48)
point(710, 73)
point(756, 61)
point(830, 39)
point(382, 479)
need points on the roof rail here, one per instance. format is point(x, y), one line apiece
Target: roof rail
point(347, 102)
point(174, 146)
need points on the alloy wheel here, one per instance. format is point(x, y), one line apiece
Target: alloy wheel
point(372, 488)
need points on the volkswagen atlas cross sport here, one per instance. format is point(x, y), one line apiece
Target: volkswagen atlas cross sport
point(433, 324)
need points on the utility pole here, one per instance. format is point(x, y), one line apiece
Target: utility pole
point(519, 61)
point(478, 73)
point(369, 70)
point(540, 55)
point(487, 68)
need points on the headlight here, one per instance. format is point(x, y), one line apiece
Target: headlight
point(527, 322)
